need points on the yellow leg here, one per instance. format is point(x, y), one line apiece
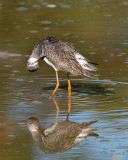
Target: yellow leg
point(69, 85)
point(69, 92)
point(57, 84)
point(57, 107)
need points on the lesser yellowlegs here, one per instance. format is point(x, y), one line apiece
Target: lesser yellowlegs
point(61, 56)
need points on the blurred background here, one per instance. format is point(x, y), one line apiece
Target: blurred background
point(99, 30)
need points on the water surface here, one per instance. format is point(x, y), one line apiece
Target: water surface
point(98, 29)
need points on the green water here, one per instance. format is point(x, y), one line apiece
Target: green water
point(98, 29)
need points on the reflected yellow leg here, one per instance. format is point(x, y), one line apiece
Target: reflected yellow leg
point(69, 104)
point(57, 84)
point(57, 107)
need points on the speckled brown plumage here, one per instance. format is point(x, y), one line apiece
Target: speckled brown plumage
point(62, 56)
point(61, 136)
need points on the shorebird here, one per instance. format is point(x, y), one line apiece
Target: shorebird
point(61, 56)
point(60, 136)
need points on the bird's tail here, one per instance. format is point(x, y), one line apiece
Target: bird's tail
point(85, 132)
point(86, 124)
point(90, 75)
point(87, 129)
point(90, 66)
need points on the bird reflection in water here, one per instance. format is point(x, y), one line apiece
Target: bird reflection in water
point(60, 136)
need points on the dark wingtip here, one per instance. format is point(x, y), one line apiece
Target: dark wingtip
point(94, 134)
point(93, 63)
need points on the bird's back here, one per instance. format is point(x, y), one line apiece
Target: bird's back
point(66, 58)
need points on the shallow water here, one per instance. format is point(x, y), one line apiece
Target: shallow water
point(98, 29)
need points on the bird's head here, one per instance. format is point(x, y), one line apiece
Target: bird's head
point(33, 64)
point(36, 56)
point(33, 124)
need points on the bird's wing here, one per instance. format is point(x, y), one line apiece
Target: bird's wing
point(66, 58)
point(71, 53)
point(67, 50)
point(61, 55)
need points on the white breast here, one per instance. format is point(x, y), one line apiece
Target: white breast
point(48, 62)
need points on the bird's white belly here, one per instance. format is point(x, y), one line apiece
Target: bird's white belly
point(48, 62)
